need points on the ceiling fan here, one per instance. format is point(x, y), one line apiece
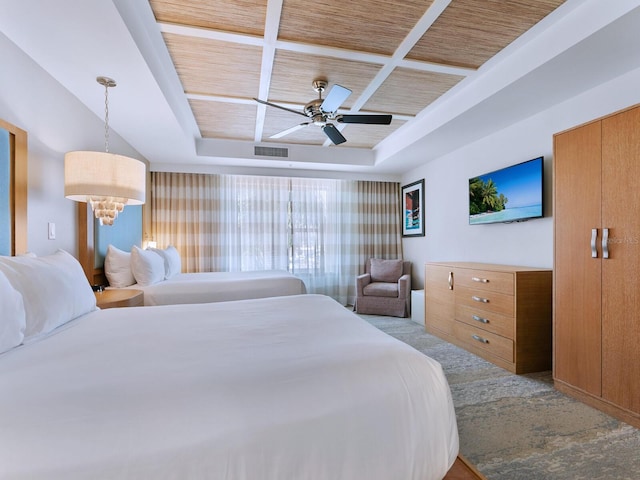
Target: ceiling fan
point(320, 111)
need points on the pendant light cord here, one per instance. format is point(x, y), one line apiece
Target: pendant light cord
point(106, 118)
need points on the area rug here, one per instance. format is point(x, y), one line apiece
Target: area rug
point(518, 427)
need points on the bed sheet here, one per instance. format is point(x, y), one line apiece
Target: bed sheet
point(207, 287)
point(281, 388)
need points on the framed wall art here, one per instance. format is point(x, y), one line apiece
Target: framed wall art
point(413, 209)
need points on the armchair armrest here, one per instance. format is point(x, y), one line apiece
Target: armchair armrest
point(404, 286)
point(361, 282)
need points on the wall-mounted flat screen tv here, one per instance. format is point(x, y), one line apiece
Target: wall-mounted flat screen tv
point(511, 194)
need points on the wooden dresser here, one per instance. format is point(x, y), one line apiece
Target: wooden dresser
point(499, 312)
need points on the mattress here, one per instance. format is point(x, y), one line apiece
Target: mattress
point(294, 387)
point(207, 287)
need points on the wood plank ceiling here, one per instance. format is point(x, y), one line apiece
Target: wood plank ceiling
point(396, 57)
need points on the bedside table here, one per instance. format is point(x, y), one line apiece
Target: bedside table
point(119, 298)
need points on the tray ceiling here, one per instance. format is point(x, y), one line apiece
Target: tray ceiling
point(397, 58)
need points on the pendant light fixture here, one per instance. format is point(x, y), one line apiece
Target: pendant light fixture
point(105, 180)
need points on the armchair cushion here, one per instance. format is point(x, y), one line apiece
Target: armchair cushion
point(382, 289)
point(385, 270)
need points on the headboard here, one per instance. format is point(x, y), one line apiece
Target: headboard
point(93, 238)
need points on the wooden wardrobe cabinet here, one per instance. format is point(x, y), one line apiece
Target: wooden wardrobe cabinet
point(597, 263)
point(499, 312)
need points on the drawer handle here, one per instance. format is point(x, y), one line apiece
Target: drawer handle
point(450, 280)
point(480, 319)
point(479, 339)
point(480, 299)
point(481, 280)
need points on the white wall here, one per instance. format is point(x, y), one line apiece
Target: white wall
point(449, 237)
point(55, 122)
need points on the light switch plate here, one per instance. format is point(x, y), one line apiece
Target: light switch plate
point(51, 231)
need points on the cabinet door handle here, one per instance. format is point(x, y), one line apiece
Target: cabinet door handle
point(481, 280)
point(480, 299)
point(450, 280)
point(605, 243)
point(594, 238)
point(479, 339)
point(480, 319)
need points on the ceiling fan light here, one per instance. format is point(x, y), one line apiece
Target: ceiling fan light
point(319, 120)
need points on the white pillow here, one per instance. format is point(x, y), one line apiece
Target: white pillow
point(117, 267)
point(54, 290)
point(13, 320)
point(172, 261)
point(147, 266)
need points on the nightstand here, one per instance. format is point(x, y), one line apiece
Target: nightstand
point(120, 298)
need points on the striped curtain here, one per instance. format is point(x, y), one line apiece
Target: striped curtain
point(379, 221)
point(185, 213)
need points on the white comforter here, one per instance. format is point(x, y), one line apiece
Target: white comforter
point(281, 388)
point(208, 287)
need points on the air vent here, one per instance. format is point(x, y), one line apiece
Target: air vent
point(271, 152)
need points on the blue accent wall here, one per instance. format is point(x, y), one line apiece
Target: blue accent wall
point(125, 232)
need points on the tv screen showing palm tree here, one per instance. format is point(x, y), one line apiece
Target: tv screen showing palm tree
point(511, 194)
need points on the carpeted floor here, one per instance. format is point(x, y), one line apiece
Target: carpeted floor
point(518, 427)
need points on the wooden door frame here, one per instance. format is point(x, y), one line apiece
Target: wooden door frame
point(18, 186)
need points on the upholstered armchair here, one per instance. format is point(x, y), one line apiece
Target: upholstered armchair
point(384, 288)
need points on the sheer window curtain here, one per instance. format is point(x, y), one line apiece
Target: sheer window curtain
point(324, 236)
point(304, 226)
point(253, 231)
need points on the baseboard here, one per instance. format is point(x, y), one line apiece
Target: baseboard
point(598, 403)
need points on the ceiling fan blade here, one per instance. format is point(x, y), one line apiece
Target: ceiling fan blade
point(333, 133)
point(280, 107)
point(335, 97)
point(290, 130)
point(368, 119)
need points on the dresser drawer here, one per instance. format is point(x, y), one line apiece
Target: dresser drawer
point(481, 340)
point(503, 325)
point(485, 301)
point(486, 280)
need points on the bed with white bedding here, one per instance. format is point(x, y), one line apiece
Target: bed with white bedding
point(207, 287)
point(157, 272)
point(293, 387)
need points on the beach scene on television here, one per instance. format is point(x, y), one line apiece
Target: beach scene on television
point(508, 195)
